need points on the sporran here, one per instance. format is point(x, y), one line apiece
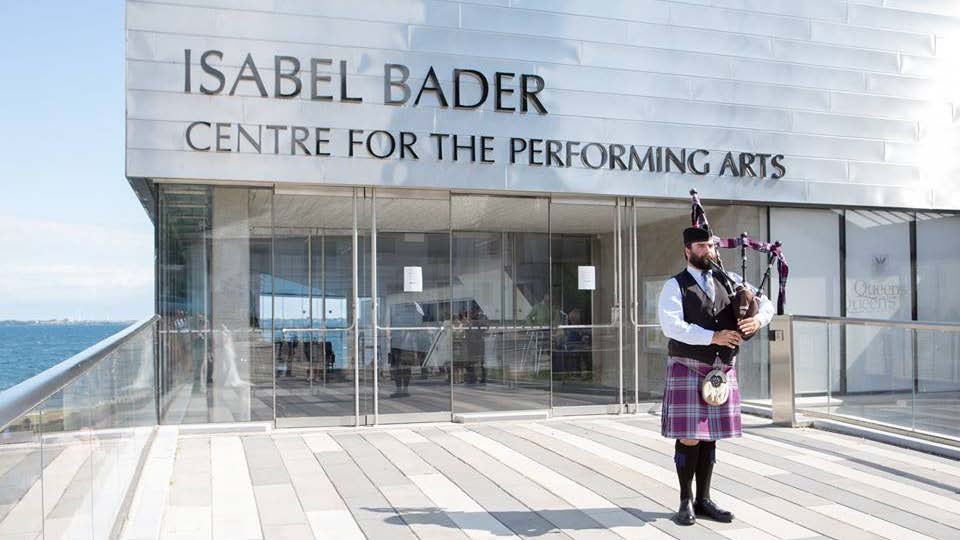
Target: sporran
point(714, 389)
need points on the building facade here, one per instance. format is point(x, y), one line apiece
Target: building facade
point(372, 212)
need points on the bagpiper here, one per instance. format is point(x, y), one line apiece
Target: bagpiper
point(706, 316)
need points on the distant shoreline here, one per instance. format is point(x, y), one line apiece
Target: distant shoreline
point(58, 322)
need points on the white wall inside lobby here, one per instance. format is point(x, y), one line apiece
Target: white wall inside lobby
point(811, 240)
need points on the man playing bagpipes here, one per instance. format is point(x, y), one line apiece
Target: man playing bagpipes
point(706, 313)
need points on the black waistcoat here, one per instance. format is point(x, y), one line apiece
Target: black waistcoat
point(698, 309)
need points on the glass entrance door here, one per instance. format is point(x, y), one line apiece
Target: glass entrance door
point(586, 288)
point(500, 269)
point(408, 346)
point(314, 286)
point(406, 305)
point(655, 253)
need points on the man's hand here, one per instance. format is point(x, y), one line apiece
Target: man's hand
point(727, 338)
point(748, 326)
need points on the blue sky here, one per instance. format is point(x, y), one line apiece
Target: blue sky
point(75, 242)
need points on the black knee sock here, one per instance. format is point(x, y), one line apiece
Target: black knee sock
point(686, 458)
point(708, 456)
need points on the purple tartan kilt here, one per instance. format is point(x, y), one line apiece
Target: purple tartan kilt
point(686, 415)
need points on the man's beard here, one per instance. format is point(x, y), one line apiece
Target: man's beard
point(702, 263)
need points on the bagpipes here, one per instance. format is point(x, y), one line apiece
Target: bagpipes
point(743, 297)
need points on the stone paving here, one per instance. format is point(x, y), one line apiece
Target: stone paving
point(590, 478)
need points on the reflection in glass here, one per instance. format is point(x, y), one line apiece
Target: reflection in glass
point(753, 367)
point(814, 287)
point(877, 287)
point(21, 492)
point(658, 259)
point(214, 352)
point(292, 308)
point(938, 369)
point(501, 304)
point(413, 346)
point(584, 293)
point(514, 305)
point(67, 465)
point(660, 256)
point(312, 286)
point(816, 354)
point(938, 299)
point(892, 402)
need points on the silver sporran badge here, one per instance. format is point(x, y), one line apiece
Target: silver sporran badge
point(714, 389)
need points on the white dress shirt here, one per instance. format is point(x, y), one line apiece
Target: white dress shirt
point(670, 311)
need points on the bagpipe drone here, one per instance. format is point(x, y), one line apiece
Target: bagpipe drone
point(743, 297)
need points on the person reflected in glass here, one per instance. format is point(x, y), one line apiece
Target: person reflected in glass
point(576, 346)
point(475, 329)
point(400, 358)
point(540, 312)
point(181, 334)
point(539, 320)
point(201, 355)
point(293, 344)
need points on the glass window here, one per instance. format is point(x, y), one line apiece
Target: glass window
point(313, 291)
point(938, 299)
point(585, 333)
point(877, 287)
point(811, 243)
point(660, 256)
point(753, 369)
point(414, 311)
point(216, 363)
point(501, 279)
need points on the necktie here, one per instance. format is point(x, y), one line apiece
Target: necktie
point(708, 284)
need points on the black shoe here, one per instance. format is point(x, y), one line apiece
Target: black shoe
point(396, 394)
point(707, 508)
point(685, 515)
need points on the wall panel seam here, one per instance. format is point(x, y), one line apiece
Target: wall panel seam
point(626, 43)
point(459, 3)
point(611, 118)
point(878, 143)
point(899, 76)
point(770, 61)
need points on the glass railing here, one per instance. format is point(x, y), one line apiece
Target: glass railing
point(899, 374)
point(72, 439)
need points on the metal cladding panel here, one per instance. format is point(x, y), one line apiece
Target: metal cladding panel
point(860, 100)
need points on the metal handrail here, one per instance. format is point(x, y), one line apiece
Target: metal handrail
point(323, 329)
point(586, 326)
point(914, 325)
point(409, 328)
point(21, 398)
point(494, 328)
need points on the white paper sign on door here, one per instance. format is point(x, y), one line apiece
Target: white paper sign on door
point(412, 279)
point(587, 278)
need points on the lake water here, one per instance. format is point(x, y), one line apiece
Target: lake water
point(28, 349)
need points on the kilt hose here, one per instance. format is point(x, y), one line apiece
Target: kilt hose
point(686, 415)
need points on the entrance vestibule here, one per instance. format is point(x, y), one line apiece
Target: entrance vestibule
point(375, 305)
